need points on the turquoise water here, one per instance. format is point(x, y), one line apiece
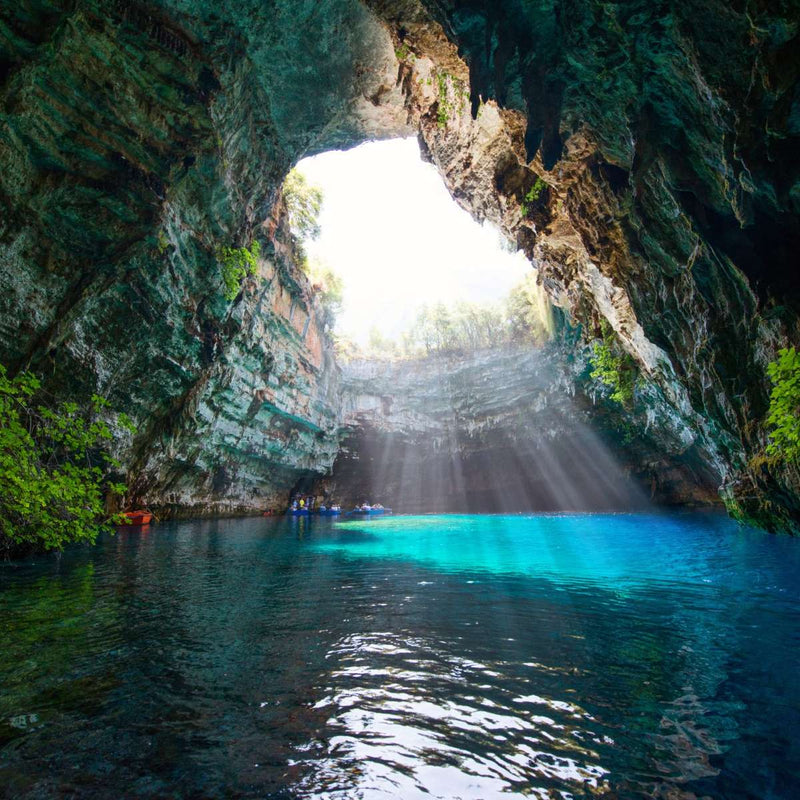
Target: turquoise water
point(411, 657)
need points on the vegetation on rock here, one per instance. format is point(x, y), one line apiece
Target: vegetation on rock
point(443, 111)
point(613, 367)
point(53, 468)
point(328, 286)
point(533, 194)
point(236, 264)
point(784, 407)
point(303, 205)
point(403, 52)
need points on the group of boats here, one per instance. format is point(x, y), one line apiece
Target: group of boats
point(141, 518)
point(364, 510)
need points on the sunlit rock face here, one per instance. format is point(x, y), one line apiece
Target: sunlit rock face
point(138, 139)
point(503, 430)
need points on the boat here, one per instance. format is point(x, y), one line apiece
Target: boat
point(329, 512)
point(371, 512)
point(137, 517)
point(298, 512)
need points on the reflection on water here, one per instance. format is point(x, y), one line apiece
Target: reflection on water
point(451, 657)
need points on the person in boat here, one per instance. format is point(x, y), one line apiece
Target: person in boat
point(322, 506)
point(336, 507)
point(377, 507)
point(294, 505)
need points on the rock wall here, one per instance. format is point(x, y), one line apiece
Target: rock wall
point(517, 428)
point(136, 141)
point(644, 155)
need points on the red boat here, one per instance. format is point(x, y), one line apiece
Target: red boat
point(137, 517)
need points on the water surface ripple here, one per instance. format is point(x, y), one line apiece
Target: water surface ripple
point(411, 657)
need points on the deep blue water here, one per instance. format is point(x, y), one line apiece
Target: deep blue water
point(410, 657)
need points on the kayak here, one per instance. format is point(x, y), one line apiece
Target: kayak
point(137, 517)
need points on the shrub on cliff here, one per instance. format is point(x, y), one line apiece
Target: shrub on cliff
point(783, 416)
point(613, 367)
point(236, 264)
point(328, 286)
point(52, 468)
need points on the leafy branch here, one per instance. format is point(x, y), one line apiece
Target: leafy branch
point(53, 467)
point(784, 407)
point(613, 367)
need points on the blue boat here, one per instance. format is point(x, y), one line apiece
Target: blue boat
point(372, 512)
point(298, 512)
point(329, 512)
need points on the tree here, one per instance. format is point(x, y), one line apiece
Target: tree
point(379, 345)
point(53, 468)
point(303, 204)
point(529, 311)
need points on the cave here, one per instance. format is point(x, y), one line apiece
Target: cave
point(583, 545)
point(137, 145)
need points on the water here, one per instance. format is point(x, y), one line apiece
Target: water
point(410, 657)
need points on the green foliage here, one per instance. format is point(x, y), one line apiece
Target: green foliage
point(163, 242)
point(303, 204)
point(403, 52)
point(236, 263)
point(529, 312)
point(468, 327)
point(379, 345)
point(346, 349)
point(613, 367)
point(52, 468)
point(443, 113)
point(463, 327)
point(784, 407)
point(533, 194)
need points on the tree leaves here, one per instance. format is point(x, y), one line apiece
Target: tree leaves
point(784, 406)
point(52, 488)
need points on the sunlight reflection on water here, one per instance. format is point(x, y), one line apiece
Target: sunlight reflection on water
point(436, 657)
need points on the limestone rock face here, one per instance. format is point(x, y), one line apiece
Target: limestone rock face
point(645, 157)
point(509, 429)
point(137, 140)
point(652, 175)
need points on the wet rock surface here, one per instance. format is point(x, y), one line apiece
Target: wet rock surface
point(643, 155)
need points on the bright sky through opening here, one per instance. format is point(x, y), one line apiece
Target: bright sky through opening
point(398, 240)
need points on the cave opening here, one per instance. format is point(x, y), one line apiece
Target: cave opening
point(457, 396)
point(645, 158)
point(399, 243)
